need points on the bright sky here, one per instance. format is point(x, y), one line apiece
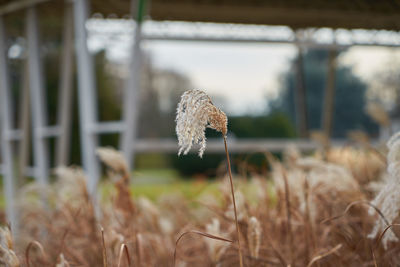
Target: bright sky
point(243, 75)
point(246, 75)
point(368, 60)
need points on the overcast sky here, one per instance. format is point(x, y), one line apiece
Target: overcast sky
point(245, 75)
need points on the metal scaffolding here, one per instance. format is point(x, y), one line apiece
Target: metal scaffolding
point(75, 36)
point(7, 133)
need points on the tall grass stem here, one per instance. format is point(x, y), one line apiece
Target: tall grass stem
point(234, 202)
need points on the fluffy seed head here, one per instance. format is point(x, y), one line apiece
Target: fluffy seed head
point(112, 158)
point(194, 114)
point(62, 262)
point(7, 254)
point(388, 200)
point(254, 236)
point(215, 247)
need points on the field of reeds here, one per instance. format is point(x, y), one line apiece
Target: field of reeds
point(337, 206)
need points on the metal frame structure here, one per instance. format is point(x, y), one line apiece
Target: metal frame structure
point(86, 92)
point(7, 134)
point(37, 97)
point(132, 87)
point(77, 13)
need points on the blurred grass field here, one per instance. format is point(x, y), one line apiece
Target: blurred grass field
point(154, 183)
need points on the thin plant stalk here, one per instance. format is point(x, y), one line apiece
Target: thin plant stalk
point(289, 216)
point(234, 202)
point(104, 251)
point(123, 249)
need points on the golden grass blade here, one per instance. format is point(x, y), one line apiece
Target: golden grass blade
point(104, 251)
point(234, 202)
point(353, 204)
point(123, 249)
point(278, 254)
point(378, 241)
point(373, 257)
point(288, 215)
point(139, 248)
point(28, 248)
point(321, 256)
point(198, 233)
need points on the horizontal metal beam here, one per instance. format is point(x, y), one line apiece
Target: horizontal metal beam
point(29, 171)
point(302, 44)
point(235, 145)
point(108, 127)
point(213, 32)
point(49, 131)
point(18, 5)
point(251, 40)
point(12, 135)
point(16, 134)
point(297, 16)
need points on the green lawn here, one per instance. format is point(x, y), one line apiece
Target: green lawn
point(152, 183)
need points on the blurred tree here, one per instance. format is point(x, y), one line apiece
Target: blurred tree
point(385, 86)
point(159, 96)
point(350, 96)
point(275, 125)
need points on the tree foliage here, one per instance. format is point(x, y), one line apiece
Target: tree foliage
point(349, 102)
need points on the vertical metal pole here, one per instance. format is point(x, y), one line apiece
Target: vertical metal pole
point(86, 95)
point(24, 125)
point(329, 97)
point(132, 89)
point(6, 143)
point(301, 96)
point(65, 94)
point(38, 104)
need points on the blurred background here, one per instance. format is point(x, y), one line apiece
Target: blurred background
point(283, 71)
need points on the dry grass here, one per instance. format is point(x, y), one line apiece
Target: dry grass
point(317, 215)
point(194, 114)
point(319, 210)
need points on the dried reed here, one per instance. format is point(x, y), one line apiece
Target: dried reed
point(388, 200)
point(7, 254)
point(195, 112)
point(254, 236)
point(325, 201)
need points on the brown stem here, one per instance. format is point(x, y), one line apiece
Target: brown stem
point(123, 249)
point(104, 251)
point(234, 202)
point(289, 216)
point(28, 248)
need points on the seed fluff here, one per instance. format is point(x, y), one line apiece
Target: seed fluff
point(195, 113)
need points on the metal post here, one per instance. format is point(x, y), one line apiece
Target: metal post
point(6, 142)
point(66, 92)
point(24, 125)
point(301, 96)
point(329, 98)
point(86, 95)
point(131, 109)
point(38, 104)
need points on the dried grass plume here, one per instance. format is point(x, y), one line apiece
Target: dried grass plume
point(7, 254)
point(254, 236)
point(388, 199)
point(114, 160)
point(195, 113)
